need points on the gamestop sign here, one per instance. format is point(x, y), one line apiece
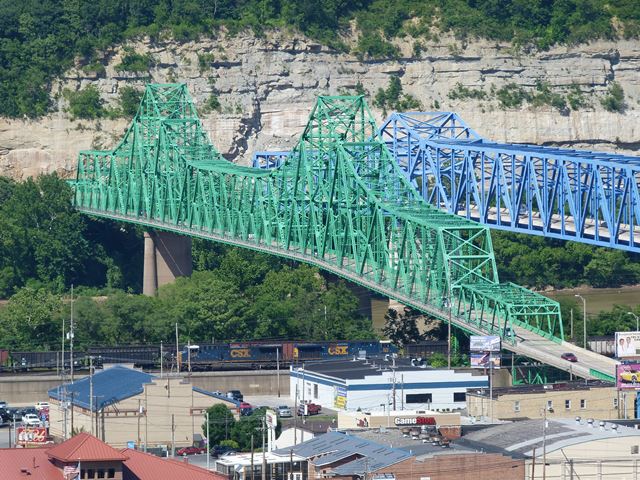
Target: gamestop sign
point(414, 421)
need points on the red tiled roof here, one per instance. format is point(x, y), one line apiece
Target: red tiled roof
point(18, 464)
point(144, 466)
point(85, 448)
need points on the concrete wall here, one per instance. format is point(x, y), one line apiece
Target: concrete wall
point(28, 389)
point(599, 404)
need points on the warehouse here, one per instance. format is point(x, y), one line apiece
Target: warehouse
point(124, 406)
point(380, 385)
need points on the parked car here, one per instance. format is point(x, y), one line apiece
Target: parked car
point(284, 412)
point(31, 420)
point(189, 451)
point(42, 406)
point(629, 376)
point(3, 404)
point(309, 409)
point(236, 395)
point(220, 450)
point(569, 357)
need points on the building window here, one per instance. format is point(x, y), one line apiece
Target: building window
point(549, 404)
point(516, 406)
point(459, 396)
point(100, 473)
point(615, 403)
point(583, 403)
point(91, 473)
point(567, 404)
point(83, 473)
point(111, 473)
point(418, 398)
point(315, 391)
point(634, 449)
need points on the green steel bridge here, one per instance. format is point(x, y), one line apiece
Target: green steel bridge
point(339, 202)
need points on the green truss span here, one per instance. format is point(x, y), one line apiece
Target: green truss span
point(338, 202)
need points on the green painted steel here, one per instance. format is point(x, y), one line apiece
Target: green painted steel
point(602, 376)
point(338, 202)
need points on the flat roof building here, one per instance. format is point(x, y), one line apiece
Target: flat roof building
point(123, 405)
point(596, 399)
point(377, 384)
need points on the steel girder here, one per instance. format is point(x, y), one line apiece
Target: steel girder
point(567, 194)
point(339, 200)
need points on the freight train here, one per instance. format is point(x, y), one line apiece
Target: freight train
point(201, 357)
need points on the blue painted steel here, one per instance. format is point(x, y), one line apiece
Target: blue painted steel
point(578, 195)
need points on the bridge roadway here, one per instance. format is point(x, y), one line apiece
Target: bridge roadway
point(590, 365)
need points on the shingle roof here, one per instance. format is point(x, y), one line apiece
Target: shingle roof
point(109, 386)
point(84, 448)
point(335, 446)
point(34, 462)
point(144, 466)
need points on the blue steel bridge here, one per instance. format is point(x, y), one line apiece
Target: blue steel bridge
point(388, 208)
point(589, 197)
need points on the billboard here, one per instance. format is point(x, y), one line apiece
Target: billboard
point(340, 397)
point(485, 343)
point(31, 435)
point(483, 360)
point(627, 344)
point(628, 375)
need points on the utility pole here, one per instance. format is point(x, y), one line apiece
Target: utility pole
point(161, 359)
point(490, 387)
point(278, 368)
point(544, 446)
point(63, 342)
point(584, 317)
point(139, 412)
point(264, 460)
point(252, 468)
point(209, 444)
point(573, 339)
point(173, 436)
point(449, 324)
point(177, 351)
point(71, 336)
point(91, 391)
point(146, 420)
point(64, 406)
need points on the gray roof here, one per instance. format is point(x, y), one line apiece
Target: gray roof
point(520, 438)
point(358, 369)
point(334, 446)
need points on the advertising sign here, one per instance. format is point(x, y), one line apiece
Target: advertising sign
point(628, 376)
point(400, 421)
point(272, 419)
point(31, 435)
point(627, 344)
point(485, 343)
point(340, 398)
point(483, 360)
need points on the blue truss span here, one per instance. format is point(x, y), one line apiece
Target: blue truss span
point(579, 195)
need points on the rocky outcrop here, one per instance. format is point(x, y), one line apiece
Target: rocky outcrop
point(266, 87)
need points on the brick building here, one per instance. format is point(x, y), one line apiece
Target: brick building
point(596, 399)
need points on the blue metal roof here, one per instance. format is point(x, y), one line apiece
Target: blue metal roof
point(109, 386)
point(336, 447)
point(216, 395)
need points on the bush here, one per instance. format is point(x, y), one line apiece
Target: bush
point(85, 104)
point(129, 100)
point(460, 92)
point(393, 99)
point(614, 100)
point(512, 96)
point(134, 62)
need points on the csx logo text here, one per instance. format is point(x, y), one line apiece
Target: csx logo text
point(338, 350)
point(240, 353)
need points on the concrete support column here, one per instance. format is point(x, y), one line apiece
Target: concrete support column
point(166, 256)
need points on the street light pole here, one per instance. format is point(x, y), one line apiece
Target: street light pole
point(449, 324)
point(636, 317)
point(584, 317)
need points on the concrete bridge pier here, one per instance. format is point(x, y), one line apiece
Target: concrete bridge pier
point(166, 256)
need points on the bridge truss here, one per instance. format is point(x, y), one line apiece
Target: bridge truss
point(339, 201)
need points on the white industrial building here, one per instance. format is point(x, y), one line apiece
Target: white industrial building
point(377, 385)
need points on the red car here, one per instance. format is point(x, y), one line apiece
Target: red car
point(189, 451)
point(569, 357)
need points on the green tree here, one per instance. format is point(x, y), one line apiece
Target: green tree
point(85, 104)
point(221, 424)
point(129, 100)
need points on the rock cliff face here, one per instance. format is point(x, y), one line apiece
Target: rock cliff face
point(267, 86)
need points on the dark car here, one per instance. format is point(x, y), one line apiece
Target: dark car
point(569, 357)
point(236, 395)
point(189, 451)
point(219, 450)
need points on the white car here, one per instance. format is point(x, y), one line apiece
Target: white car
point(42, 405)
point(31, 420)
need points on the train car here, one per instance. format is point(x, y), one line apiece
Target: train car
point(145, 356)
point(426, 348)
point(604, 345)
point(51, 360)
